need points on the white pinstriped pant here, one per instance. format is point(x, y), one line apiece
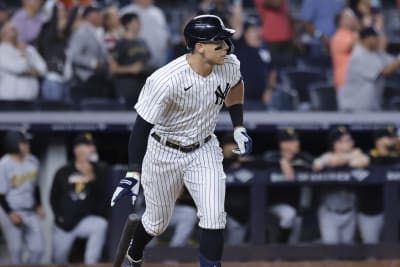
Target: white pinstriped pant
point(165, 170)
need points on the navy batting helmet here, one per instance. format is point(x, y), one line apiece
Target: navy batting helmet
point(207, 28)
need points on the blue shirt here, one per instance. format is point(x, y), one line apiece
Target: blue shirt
point(321, 13)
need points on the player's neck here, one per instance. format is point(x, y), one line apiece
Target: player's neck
point(199, 65)
point(17, 157)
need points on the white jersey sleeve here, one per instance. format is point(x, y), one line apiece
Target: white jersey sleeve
point(152, 100)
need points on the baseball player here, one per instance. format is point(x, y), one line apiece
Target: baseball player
point(172, 143)
point(20, 199)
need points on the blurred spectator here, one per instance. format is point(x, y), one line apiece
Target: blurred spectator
point(79, 201)
point(318, 20)
point(130, 57)
point(89, 56)
point(370, 198)
point(289, 155)
point(342, 42)
point(4, 14)
point(28, 20)
point(337, 211)
point(20, 66)
point(283, 201)
point(363, 86)
point(398, 5)
point(112, 27)
point(70, 3)
point(20, 200)
point(369, 15)
point(153, 31)
point(231, 14)
point(52, 44)
point(256, 67)
point(179, 49)
point(277, 27)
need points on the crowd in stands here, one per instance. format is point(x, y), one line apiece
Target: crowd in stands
point(319, 55)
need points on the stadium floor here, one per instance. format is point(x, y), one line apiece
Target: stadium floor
point(371, 263)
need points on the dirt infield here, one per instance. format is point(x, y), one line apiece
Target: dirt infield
point(371, 263)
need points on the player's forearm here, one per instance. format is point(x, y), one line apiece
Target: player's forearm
point(138, 144)
point(234, 104)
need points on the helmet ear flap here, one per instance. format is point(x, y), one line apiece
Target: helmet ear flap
point(231, 48)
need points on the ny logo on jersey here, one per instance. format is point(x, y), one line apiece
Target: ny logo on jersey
point(221, 94)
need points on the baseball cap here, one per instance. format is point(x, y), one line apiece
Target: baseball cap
point(288, 134)
point(388, 131)
point(91, 8)
point(367, 32)
point(17, 137)
point(336, 133)
point(83, 139)
point(251, 22)
point(12, 139)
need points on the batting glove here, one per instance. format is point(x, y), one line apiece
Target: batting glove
point(243, 140)
point(128, 186)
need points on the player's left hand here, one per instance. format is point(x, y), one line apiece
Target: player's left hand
point(128, 186)
point(243, 140)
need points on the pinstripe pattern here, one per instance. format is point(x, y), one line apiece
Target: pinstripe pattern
point(185, 117)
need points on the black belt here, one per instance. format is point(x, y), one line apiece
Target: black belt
point(185, 149)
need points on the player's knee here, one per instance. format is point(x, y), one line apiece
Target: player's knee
point(216, 220)
point(155, 228)
point(100, 225)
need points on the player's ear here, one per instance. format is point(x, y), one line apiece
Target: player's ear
point(199, 47)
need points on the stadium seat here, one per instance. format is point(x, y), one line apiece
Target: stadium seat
point(300, 79)
point(394, 104)
point(322, 62)
point(391, 91)
point(284, 98)
point(394, 79)
point(322, 97)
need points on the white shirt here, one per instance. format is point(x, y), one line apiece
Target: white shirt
point(13, 63)
point(183, 105)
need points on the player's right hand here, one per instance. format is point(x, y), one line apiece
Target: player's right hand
point(15, 218)
point(128, 186)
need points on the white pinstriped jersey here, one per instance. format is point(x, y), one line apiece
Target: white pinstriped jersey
point(183, 105)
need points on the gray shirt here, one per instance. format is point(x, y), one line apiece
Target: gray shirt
point(18, 181)
point(363, 87)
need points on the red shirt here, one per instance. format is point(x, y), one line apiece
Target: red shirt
point(275, 22)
